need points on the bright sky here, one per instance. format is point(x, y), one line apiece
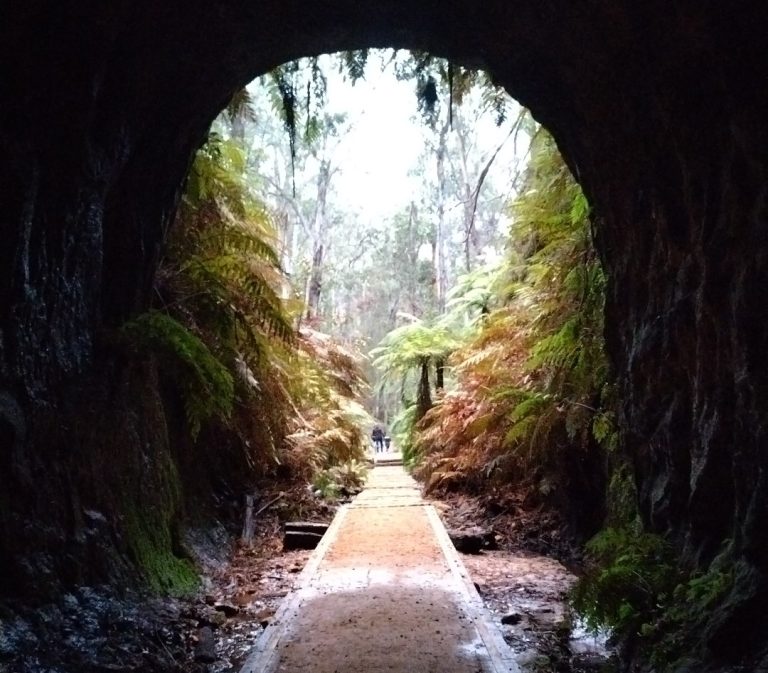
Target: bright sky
point(375, 160)
point(383, 145)
point(386, 139)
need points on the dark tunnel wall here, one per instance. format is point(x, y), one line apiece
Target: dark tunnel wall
point(659, 107)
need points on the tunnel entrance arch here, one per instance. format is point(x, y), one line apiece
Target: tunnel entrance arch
point(659, 110)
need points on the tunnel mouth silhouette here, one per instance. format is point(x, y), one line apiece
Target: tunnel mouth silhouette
point(659, 111)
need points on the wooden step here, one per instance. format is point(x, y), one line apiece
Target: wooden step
point(389, 461)
point(302, 534)
point(305, 527)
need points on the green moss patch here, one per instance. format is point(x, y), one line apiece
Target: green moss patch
point(150, 544)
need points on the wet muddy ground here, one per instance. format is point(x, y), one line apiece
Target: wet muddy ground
point(526, 594)
point(93, 630)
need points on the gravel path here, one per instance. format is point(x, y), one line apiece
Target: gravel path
point(385, 592)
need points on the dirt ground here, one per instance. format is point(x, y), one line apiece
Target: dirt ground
point(391, 553)
point(384, 592)
point(258, 586)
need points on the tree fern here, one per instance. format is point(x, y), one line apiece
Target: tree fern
point(225, 256)
point(529, 381)
point(415, 347)
point(205, 382)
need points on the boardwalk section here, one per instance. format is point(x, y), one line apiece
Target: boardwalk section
point(384, 592)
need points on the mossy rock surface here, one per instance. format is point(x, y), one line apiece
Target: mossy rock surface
point(151, 548)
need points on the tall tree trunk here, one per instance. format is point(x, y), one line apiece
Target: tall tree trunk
point(439, 374)
point(286, 235)
point(314, 283)
point(413, 260)
point(424, 397)
point(319, 231)
point(441, 274)
point(466, 191)
point(238, 129)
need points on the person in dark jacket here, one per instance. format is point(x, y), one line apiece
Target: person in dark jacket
point(377, 435)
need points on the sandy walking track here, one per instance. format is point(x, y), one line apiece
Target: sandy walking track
point(384, 592)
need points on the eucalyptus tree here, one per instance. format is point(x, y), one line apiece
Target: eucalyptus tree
point(354, 276)
point(470, 169)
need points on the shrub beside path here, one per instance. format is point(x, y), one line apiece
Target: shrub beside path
point(385, 592)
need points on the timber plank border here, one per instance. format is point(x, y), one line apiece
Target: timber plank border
point(500, 655)
point(262, 658)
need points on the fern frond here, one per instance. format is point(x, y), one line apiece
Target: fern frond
point(206, 384)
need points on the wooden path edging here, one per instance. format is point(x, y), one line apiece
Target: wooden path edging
point(501, 657)
point(263, 657)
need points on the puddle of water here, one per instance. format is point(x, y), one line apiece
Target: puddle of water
point(586, 641)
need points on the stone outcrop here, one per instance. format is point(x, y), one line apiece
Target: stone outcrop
point(660, 109)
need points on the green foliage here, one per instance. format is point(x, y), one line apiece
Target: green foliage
point(286, 101)
point(221, 314)
point(406, 348)
point(604, 429)
point(298, 91)
point(326, 484)
point(206, 384)
point(299, 391)
point(151, 547)
point(621, 496)
point(415, 347)
point(215, 180)
point(633, 569)
point(149, 525)
point(354, 62)
point(531, 375)
point(436, 77)
point(351, 475)
point(474, 294)
point(566, 285)
point(240, 107)
point(635, 588)
point(402, 429)
point(346, 478)
point(221, 264)
point(219, 327)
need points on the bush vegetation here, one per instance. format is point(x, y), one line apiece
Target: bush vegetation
point(272, 399)
point(529, 369)
point(530, 402)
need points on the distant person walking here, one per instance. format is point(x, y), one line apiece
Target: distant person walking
point(377, 435)
point(387, 442)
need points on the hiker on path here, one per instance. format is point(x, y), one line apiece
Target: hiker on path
point(377, 435)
